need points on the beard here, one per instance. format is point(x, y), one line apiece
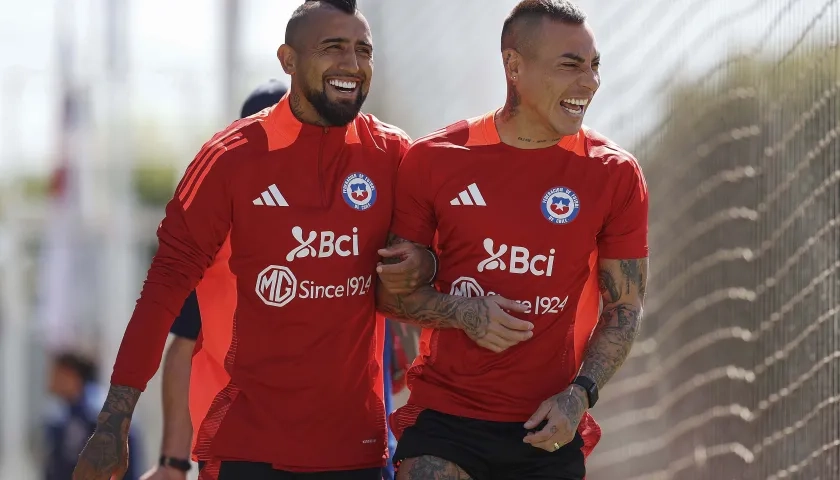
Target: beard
point(334, 113)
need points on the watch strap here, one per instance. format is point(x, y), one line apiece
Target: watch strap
point(181, 464)
point(590, 387)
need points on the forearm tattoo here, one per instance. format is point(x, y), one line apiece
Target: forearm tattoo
point(106, 448)
point(428, 308)
point(622, 290)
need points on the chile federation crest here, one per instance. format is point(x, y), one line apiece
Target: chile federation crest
point(359, 191)
point(560, 205)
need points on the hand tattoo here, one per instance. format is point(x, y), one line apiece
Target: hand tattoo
point(106, 449)
point(572, 408)
point(622, 285)
point(428, 308)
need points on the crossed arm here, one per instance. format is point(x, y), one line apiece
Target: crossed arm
point(483, 319)
point(426, 307)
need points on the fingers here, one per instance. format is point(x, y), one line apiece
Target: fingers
point(493, 343)
point(538, 416)
point(509, 305)
point(499, 339)
point(513, 323)
point(404, 277)
point(543, 435)
point(395, 269)
point(512, 337)
point(400, 278)
point(548, 445)
point(396, 250)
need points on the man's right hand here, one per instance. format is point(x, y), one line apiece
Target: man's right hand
point(164, 473)
point(490, 326)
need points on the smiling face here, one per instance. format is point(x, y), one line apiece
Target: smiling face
point(331, 64)
point(558, 75)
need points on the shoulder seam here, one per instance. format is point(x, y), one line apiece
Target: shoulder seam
point(204, 162)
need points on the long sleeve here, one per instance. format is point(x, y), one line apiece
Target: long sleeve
point(197, 222)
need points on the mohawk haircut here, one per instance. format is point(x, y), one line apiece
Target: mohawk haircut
point(298, 18)
point(519, 27)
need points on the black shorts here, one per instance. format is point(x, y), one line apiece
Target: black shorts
point(489, 450)
point(264, 471)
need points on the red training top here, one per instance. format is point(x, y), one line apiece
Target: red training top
point(525, 224)
point(296, 214)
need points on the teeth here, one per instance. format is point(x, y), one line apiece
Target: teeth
point(343, 84)
point(577, 101)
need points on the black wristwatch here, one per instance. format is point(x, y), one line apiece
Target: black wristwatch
point(176, 463)
point(590, 387)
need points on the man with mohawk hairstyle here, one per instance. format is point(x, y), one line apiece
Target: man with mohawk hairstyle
point(297, 199)
point(528, 203)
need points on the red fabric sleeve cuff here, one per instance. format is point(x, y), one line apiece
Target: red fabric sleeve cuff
point(623, 251)
point(412, 234)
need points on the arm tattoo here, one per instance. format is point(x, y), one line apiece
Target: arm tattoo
point(622, 290)
point(609, 290)
point(632, 272)
point(428, 308)
point(106, 448)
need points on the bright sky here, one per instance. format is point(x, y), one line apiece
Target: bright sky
point(176, 62)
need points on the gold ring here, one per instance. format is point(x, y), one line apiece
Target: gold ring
point(556, 446)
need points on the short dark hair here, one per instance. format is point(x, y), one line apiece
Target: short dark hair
point(297, 19)
point(517, 31)
point(81, 365)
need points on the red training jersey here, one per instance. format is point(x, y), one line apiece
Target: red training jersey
point(293, 216)
point(525, 224)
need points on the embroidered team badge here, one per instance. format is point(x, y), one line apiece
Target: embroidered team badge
point(359, 191)
point(560, 205)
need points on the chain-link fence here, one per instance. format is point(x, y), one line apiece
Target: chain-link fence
point(733, 108)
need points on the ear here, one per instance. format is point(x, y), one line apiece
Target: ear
point(513, 64)
point(288, 58)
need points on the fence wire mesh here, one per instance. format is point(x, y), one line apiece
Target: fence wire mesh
point(733, 108)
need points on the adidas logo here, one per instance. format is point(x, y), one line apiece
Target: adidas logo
point(470, 196)
point(271, 197)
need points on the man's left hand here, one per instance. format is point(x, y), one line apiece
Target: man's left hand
point(563, 413)
point(406, 267)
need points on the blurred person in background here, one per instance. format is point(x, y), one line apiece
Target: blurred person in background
point(497, 397)
point(72, 420)
point(178, 423)
point(310, 185)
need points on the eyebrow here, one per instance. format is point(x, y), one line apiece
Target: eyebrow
point(344, 40)
point(577, 58)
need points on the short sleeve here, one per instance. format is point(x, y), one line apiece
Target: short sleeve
point(625, 233)
point(414, 214)
point(188, 323)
